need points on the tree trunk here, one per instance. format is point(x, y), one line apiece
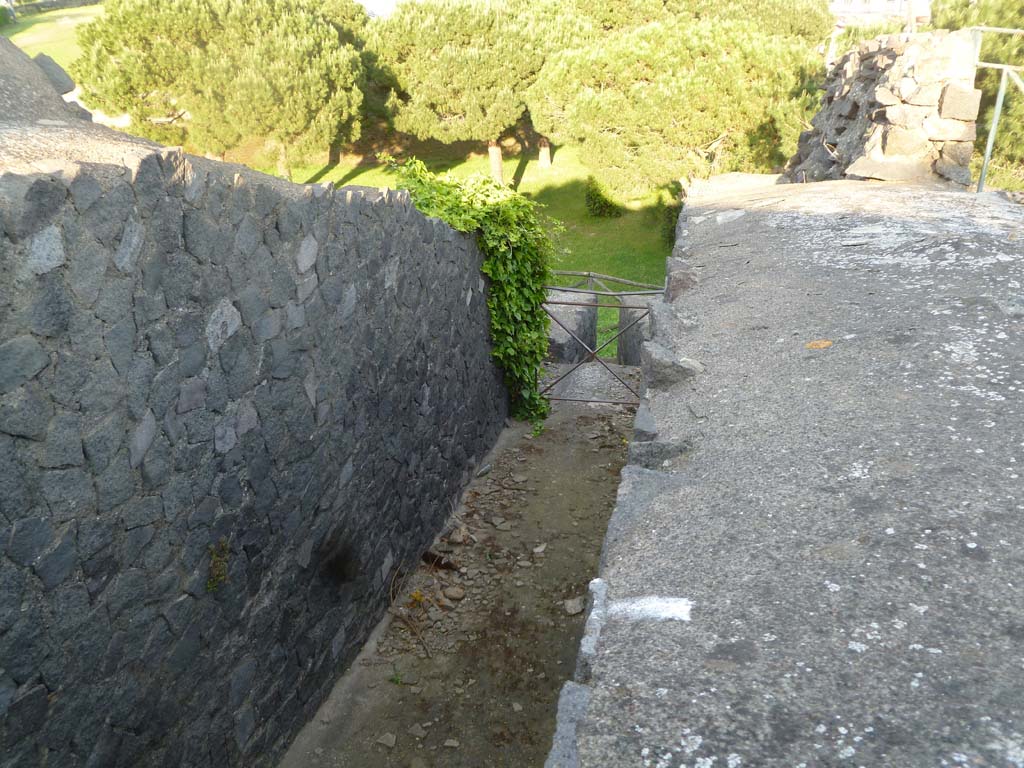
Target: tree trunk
point(545, 153)
point(494, 152)
point(284, 168)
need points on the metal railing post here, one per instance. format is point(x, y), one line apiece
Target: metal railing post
point(992, 131)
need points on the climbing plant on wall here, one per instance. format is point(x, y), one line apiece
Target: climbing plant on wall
point(517, 252)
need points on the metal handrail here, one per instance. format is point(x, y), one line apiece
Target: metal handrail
point(598, 276)
point(597, 286)
point(1008, 74)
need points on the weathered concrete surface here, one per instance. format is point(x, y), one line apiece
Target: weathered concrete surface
point(593, 381)
point(819, 563)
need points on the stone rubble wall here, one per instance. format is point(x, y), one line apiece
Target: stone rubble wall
point(231, 410)
point(899, 108)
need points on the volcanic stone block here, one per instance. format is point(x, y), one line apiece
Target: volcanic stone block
point(634, 327)
point(956, 173)
point(960, 103)
point(926, 95)
point(906, 116)
point(25, 412)
point(904, 142)
point(45, 252)
point(958, 152)
point(662, 368)
point(942, 129)
point(21, 358)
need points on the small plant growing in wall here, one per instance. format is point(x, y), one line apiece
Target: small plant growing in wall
point(517, 253)
point(218, 574)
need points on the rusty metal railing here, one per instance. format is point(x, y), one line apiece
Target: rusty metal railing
point(597, 285)
point(1009, 73)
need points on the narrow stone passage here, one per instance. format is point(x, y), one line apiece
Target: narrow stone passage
point(467, 670)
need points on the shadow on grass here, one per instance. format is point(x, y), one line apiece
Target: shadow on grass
point(24, 23)
point(517, 177)
point(437, 156)
point(28, 20)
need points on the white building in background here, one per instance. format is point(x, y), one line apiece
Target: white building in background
point(863, 12)
point(379, 7)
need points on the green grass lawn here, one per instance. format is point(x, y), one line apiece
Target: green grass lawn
point(629, 246)
point(52, 33)
point(1000, 174)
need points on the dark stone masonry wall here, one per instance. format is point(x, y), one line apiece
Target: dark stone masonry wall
point(230, 409)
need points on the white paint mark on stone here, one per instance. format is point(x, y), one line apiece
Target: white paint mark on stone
point(726, 216)
point(860, 470)
point(651, 608)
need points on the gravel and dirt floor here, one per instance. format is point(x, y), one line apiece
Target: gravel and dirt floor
point(466, 670)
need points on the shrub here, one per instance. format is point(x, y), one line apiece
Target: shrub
point(598, 202)
point(678, 98)
point(227, 69)
point(666, 215)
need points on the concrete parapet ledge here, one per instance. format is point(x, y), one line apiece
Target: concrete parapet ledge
point(814, 557)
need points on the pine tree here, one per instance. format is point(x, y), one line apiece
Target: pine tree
point(228, 69)
point(459, 67)
point(803, 18)
point(134, 55)
point(677, 97)
point(553, 26)
point(276, 71)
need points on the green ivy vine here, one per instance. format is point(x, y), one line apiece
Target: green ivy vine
point(517, 253)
